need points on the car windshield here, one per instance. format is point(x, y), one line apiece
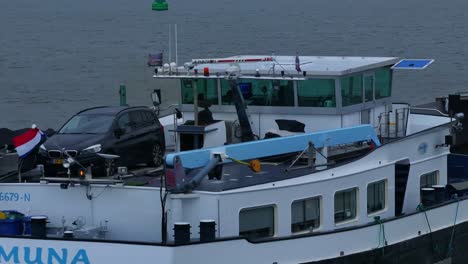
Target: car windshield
point(87, 124)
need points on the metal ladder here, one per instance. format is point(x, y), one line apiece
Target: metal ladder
point(392, 124)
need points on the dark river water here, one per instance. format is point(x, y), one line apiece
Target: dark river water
point(60, 56)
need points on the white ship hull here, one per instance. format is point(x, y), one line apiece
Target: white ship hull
point(413, 229)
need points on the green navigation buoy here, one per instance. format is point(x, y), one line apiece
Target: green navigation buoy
point(123, 95)
point(160, 5)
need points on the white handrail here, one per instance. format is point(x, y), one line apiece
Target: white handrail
point(430, 109)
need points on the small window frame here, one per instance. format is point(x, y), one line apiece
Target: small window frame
point(274, 227)
point(427, 174)
point(385, 205)
point(356, 213)
point(319, 198)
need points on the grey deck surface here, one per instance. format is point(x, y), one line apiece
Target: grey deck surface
point(238, 176)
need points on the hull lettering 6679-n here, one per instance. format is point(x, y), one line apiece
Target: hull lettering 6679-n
point(15, 197)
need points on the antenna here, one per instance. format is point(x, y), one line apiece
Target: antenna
point(273, 58)
point(170, 44)
point(175, 33)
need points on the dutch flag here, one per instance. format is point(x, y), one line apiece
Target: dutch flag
point(27, 141)
point(298, 64)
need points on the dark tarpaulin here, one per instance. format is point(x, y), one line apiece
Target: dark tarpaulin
point(290, 125)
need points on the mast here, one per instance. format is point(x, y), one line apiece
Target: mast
point(175, 32)
point(170, 44)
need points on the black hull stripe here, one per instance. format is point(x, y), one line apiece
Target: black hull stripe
point(437, 247)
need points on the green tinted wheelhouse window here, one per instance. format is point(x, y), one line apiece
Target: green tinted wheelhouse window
point(260, 92)
point(383, 83)
point(351, 90)
point(207, 90)
point(316, 93)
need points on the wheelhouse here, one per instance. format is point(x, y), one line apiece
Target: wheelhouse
point(319, 92)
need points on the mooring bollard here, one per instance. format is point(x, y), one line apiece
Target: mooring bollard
point(181, 233)
point(207, 230)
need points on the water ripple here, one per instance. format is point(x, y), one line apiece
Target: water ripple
point(78, 52)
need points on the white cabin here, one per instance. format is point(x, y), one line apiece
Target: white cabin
point(327, 93)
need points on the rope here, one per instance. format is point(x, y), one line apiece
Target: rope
point(297, 158)
point(420, 208)
point(302, 153)
point(238, 161)
point(382, 237)
point(91, 196)
point(163, 197)
point(450, 245)
point(254, 165)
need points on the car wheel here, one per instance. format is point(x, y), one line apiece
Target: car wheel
point(157, 155)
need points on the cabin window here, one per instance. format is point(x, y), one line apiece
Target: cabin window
point(305, 214)
point(316, 93)
point(369, 88)
point(257, 222)
point(376, 193)
point(429, 179)
point(351, 90)
point(345, 205)
point(383, 83)
point(260, 92)
point(207, 91)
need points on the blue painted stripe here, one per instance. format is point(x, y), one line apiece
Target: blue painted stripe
point(275, 146)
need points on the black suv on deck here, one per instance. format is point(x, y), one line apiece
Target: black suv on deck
point(133, 133)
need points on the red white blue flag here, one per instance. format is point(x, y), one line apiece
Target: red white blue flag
point(298, 64)
point(27, 141)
